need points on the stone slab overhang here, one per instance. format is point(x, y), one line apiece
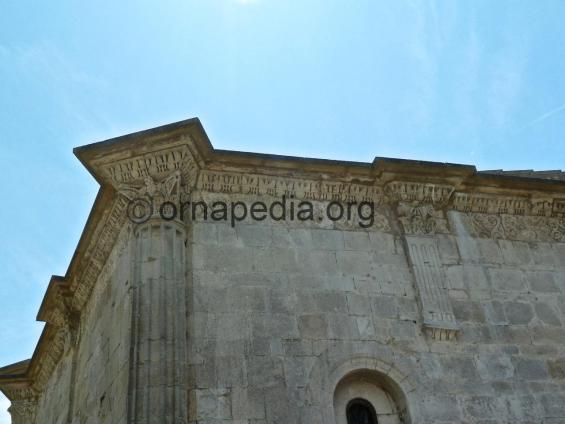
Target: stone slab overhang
point(127, 160)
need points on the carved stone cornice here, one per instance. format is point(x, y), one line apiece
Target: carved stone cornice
point(54, 341)
point(55, 308)
point(231, 182)
point(418, 192)
point(146, 168)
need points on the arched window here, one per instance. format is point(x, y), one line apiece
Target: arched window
point(365, 396)
point(360, 411)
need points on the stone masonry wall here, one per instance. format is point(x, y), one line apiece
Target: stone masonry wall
point(277, 308)
point(279, 312)
point(94, 389)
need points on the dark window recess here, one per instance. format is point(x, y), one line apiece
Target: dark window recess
point(360, 411)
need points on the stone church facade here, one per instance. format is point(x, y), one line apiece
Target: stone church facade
point(414, 292)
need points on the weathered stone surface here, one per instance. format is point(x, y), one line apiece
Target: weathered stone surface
point(448, 309)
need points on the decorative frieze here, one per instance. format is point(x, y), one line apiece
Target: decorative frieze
point(496, 204)
point(522, 228)
point(156, 164)
point(107, 231)
point(410, 191)
point(305, 189)
point(59, 338)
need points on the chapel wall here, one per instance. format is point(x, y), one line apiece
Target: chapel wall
point(95, 388)
point(277, 307)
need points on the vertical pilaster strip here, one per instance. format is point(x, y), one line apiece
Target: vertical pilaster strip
point(437, 312)
point(421, 218)
point(158, 356)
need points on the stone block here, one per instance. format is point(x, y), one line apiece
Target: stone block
point(358, 304)
point(204, 233)
point(483, 407)
point(255, 235)
point(468, 311)
point(212, 403)
point(467, 277)
point(557, 368)
point(297, 347)
point(552, 404)
point(365, 327)
point(494, 366)
point(353, 262)
point(505, 279)
point(519, 313)
point(530, 369)
point(385, 307)
point(542, 281)
point(327, 240)
point(313, 326)
point(547, 314)
point(403, 330)
point(342, 327)
point(495, 313)
point(548, 335)
point(441, 409)
point(460, 368)
point(274, 325)
point(543, 255)
point(333, 302)
point(489, 251)
point(356, 240)
point(264, 371)
point(248, 403)
point(448, 251)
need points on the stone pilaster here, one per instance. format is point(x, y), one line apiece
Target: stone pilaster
point(421, 218)
point(157, 392)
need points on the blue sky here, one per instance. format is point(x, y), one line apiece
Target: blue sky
point(476, 82)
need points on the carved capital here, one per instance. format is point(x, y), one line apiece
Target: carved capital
point(23, 403)
point(23, 411)
point(153, 166)
point(421, 219)
point(153, 199)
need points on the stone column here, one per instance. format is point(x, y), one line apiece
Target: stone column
point(157, 392)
